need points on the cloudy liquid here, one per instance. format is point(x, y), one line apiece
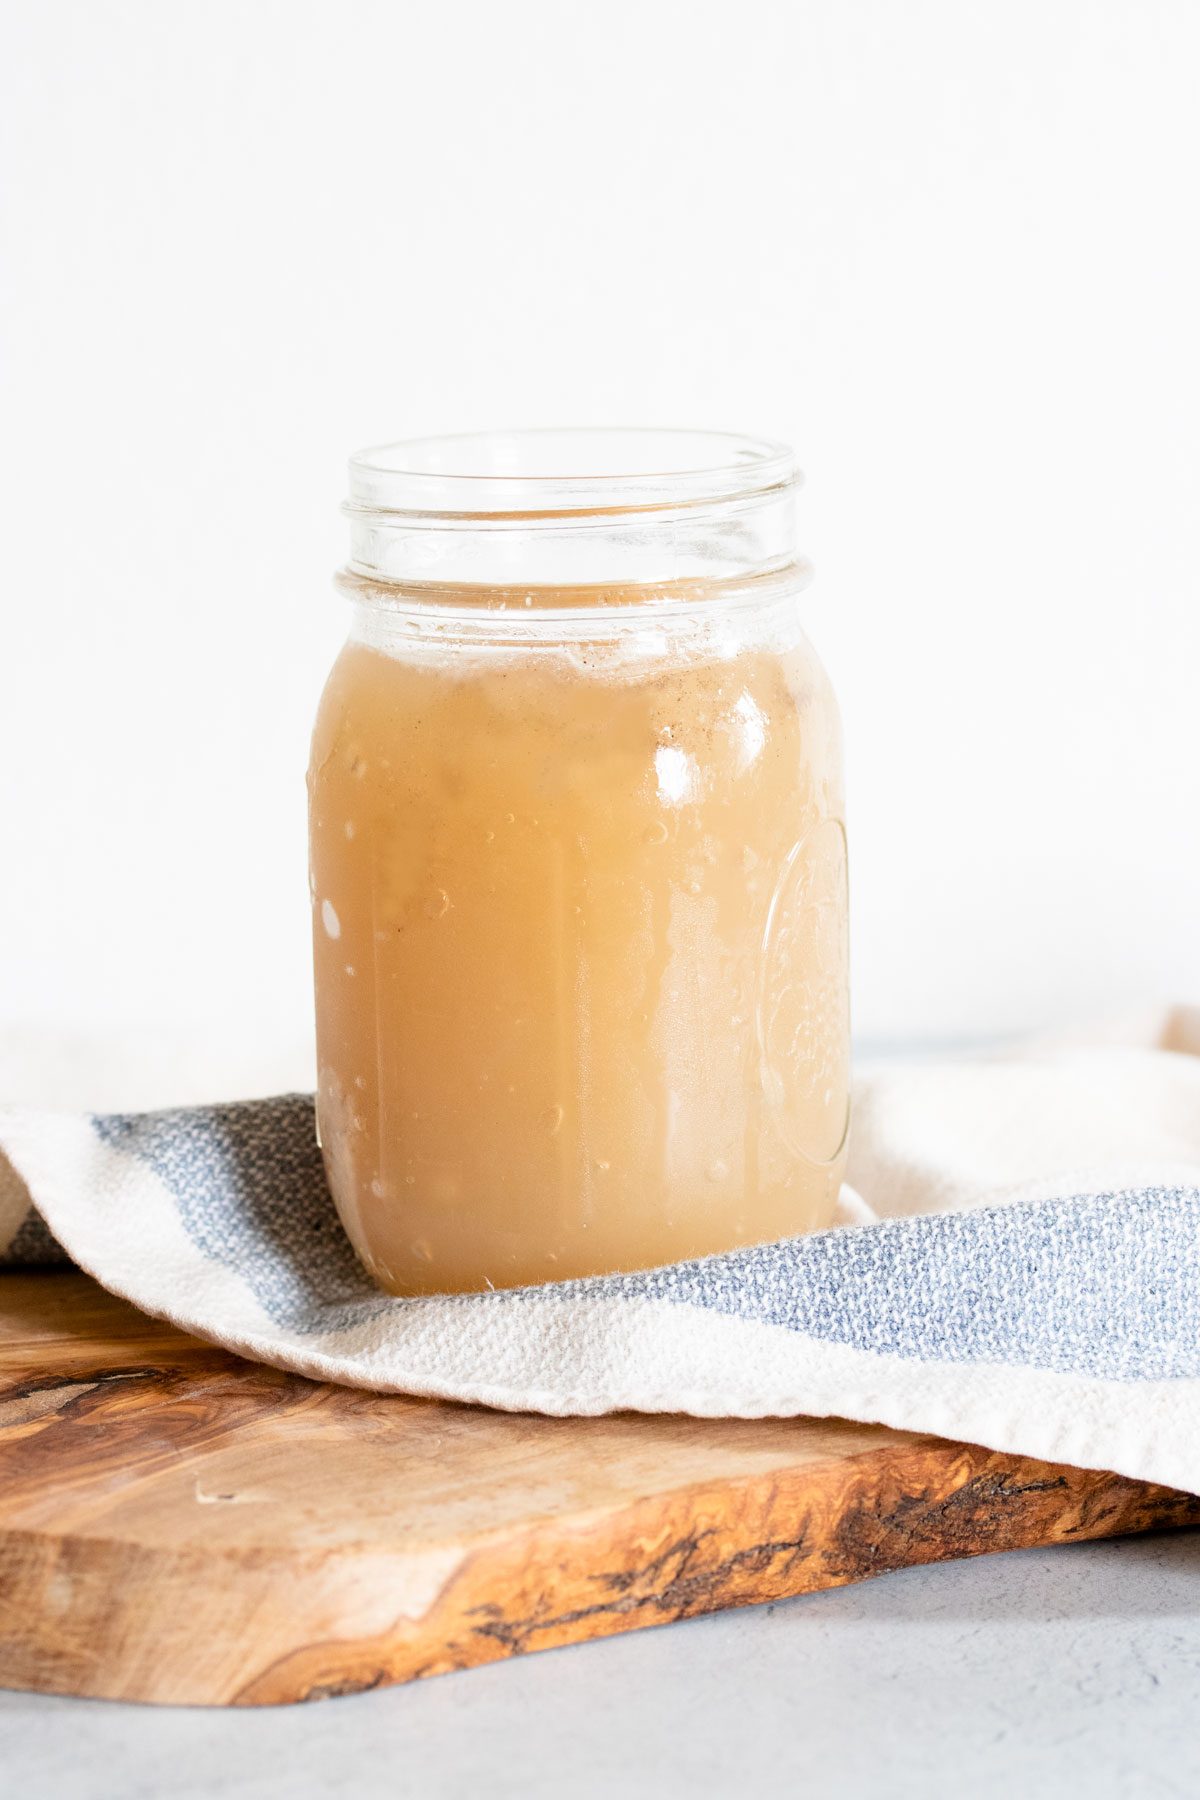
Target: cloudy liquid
point(580, 944)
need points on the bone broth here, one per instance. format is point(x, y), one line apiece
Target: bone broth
point(578, 873)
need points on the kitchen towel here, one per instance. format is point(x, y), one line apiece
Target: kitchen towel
point(1020, 1266)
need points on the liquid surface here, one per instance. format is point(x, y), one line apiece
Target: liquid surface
point(580, 945)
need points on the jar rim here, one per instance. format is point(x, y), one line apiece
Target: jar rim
point(552, 474)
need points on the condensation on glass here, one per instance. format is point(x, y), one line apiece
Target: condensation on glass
point(578, 863)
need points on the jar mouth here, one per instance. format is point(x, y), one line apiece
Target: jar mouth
point(526, 476)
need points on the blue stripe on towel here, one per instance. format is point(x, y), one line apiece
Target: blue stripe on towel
point(1104, 1284)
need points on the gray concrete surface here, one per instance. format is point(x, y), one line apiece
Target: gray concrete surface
point(1073, 1671)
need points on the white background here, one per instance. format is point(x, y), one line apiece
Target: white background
point(948, 250)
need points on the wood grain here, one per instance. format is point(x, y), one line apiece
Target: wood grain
point(178, 1525)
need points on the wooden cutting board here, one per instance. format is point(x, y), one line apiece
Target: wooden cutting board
point(178, 1525)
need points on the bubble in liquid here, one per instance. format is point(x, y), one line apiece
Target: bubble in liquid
point(552, 1119)
point(330, 920)
point(438, 904)
point(349, 968)
point(423, 1248)
point(510, 818)
point(349, 828)
point(657, 833)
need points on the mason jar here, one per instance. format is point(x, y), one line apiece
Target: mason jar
point(578, 865)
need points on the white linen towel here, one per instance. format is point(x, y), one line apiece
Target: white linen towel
point(1020, 1265)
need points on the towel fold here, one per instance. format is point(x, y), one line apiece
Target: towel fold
point(1020, 1265)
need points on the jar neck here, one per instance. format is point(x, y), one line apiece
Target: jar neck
point(572, 510)
point(737, 538)
point(631, 623)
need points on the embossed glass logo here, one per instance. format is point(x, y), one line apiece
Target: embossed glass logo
point(803, 1006)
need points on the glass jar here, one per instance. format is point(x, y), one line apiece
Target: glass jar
point(578, 864)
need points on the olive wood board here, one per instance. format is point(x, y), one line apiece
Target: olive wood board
point(182, 1526)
